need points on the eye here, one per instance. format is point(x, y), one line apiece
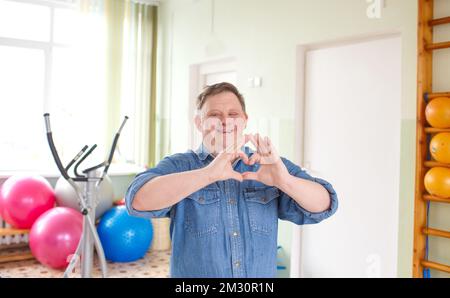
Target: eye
point(233, 114)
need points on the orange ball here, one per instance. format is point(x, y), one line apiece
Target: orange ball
point(440, 147)
point(437, 112)
point(437, 182)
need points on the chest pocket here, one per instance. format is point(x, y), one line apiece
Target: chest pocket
point(202, 212)
point(262, 208)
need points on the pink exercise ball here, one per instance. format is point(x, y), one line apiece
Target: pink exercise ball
point(23, 198)
point(55, 235)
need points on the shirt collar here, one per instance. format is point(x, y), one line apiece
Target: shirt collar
point(202, 152)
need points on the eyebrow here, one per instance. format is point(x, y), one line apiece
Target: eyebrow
point(214, 111)
point(218, 111)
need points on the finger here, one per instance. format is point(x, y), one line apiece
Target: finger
point(223, 155)
point(255, 158)
point(252, 139)
point(241, 141)
point(246, 138)
point(250, 175)
point(267, 145)
point(266, 142)
point(272, 148)
point(236, 145)
point(262, 147)
point(231, 156)
point(237, 176)
point(258, 148)
point(243, 156)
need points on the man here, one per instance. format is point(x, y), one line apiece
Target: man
point(224, 199)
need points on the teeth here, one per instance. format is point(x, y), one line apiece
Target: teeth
point(224, 131)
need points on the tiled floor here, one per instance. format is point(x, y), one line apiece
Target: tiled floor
point(154, 264)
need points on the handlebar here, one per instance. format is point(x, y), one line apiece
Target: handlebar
point(83, 154)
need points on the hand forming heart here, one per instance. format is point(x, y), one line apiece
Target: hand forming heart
point(271, 171)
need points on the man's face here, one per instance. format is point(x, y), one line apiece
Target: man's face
point(221, 122)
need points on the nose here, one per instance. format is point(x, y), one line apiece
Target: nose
point(224, 122)
point(229, 122)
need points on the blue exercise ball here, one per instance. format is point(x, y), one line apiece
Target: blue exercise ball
point(124, 238)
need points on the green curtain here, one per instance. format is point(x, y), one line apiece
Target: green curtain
point(131, 72)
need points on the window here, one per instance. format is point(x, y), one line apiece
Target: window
point(24, 21)
point(60, 56)
point(51, 61)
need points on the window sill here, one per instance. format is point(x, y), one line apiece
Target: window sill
point(114, 170)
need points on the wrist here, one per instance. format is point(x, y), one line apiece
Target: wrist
point(282, 178)
point(284, 181)
point(208, 174)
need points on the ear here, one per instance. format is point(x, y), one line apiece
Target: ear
point(198, 122)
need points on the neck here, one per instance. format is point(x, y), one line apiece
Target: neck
point(213, 153)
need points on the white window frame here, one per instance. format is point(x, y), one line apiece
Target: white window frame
point(46, 46)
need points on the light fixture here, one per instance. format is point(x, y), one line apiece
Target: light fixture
point(215, 46)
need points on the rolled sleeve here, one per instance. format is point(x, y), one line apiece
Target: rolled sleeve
point(290, 210)
point(164, 167)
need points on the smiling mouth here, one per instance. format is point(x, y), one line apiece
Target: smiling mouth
point(224, 131)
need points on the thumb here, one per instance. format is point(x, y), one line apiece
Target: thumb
point(250, 175)
point(237, 176)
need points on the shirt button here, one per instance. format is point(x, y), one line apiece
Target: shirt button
point(201, 199)
point(235, 234)
point(264, 199)
point(232, 201)
point(237, 264)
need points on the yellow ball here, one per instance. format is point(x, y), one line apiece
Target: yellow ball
point(440, 147)
point(437, 182)
point(437, 112)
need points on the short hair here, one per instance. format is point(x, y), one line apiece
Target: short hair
point(216, 89)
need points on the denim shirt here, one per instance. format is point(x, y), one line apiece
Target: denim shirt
point(229, 228)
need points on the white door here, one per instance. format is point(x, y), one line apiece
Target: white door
point(352, 139)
